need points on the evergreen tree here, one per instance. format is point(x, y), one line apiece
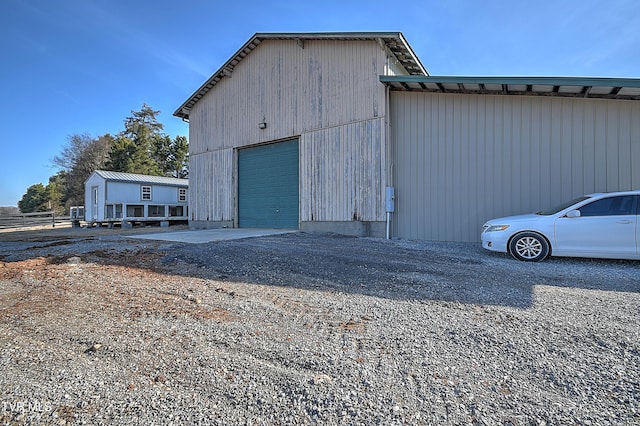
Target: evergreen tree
point(120, 156)
point(34, 200)
point(133, 150)
point(55, 192)
point(142, 147)
point(179, 158)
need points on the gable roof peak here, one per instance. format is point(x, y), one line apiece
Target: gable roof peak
point(393, 41)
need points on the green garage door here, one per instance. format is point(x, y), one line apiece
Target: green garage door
point(268, 186)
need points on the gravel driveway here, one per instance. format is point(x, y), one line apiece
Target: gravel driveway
point(299, 328)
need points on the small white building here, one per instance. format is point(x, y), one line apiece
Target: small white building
point(127, 198)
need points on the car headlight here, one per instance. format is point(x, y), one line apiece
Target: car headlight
point(494, 228)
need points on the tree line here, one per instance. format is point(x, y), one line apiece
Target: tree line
point(141, 147)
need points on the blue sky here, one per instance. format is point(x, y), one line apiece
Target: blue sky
point(81, 66)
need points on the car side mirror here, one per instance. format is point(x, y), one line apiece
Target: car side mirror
point(573, 213)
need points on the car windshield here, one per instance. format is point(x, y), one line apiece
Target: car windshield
point(561, 207)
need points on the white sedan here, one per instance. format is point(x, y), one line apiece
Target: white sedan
point(596, 225)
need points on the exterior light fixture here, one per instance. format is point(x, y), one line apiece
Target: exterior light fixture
point(262, 125)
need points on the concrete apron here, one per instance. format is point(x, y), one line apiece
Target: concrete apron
point(208, 235)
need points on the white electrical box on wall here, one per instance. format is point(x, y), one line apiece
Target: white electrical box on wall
point(390, 199)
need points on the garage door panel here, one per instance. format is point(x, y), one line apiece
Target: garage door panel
point(268, 188)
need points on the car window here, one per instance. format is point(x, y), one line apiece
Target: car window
point(611, 206)
point(559, 208)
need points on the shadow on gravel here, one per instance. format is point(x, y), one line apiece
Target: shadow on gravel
point(397, 269)
point(456, 272)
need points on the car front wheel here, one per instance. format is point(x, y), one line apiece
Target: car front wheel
point(529, 247)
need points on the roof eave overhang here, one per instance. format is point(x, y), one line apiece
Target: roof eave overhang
point(585, 87)
point(395, 42)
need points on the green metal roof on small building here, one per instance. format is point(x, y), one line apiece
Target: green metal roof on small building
point(586, 87)
point(142, 179)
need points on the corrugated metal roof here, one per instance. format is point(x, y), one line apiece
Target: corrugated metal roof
point(394, 41)
point(585, 87)
point(136, 178)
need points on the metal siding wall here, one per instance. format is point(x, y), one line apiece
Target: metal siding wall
point(341, 173)
point(125, 192)
point(330, 87)
point(459, 160)
point(210, 176)
point(294, 90)
point(165, 194)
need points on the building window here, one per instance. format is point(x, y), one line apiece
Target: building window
point(146, 193)
point(114, 211)
point(176, 211)
point(156, 211)
point(182, 194)
point(135, 210)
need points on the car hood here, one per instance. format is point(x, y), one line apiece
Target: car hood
point(507, 220)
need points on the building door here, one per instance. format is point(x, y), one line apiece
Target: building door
point(94, 202)
point(268, 186)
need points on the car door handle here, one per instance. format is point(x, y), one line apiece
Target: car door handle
point(624, 222)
